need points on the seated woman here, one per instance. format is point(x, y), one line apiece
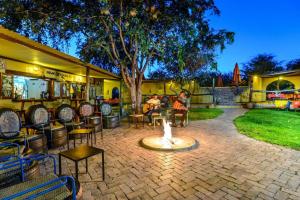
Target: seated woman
point(152, 106)
point(179, 107)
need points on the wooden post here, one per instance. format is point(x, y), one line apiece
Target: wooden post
point(1, 78)
point(120, 97)
point(51, 89)
point(213, 87)
point(87, 81)
point(165, 88)
point(250, 88)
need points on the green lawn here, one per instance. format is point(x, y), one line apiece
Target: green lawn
point(204, 113)
point(273, 126)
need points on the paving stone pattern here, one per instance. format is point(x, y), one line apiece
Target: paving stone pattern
point(226, 165)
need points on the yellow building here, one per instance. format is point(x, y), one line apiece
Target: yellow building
point(261, 92)
point(32, 72)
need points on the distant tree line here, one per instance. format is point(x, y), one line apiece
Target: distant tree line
point(267, 63)
point(260, 64)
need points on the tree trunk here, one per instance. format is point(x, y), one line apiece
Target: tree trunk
point(133, 97)
point(136, 98)
point(139, 99)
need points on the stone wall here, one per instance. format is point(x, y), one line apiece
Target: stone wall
point(231, 96)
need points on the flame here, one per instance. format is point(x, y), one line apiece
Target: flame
point(167, 138)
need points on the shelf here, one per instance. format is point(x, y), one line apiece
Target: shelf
point(32, 100)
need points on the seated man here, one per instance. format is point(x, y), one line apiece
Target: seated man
point(152, 106)
point(179, 107)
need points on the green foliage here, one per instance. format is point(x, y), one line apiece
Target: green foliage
point(111, 33)
point(293, 64)
point(280, 85)
point(204, 113)
point(260, 64)
point(273, 126)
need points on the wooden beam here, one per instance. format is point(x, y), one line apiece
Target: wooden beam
point(87, 81)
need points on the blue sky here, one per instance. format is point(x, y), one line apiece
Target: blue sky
point(261, 26)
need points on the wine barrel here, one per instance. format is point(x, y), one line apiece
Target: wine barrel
point(86, 109)
point(56, 138)
point(37, 115)
point(111, 121)
point(10, 123)
point(65, 113)
point(32, 171)
point(98, 128)
point(106, 109)
point(38, 143)
point(95, 120)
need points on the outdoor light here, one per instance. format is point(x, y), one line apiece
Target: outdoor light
point(280, 78)
point(35, 68)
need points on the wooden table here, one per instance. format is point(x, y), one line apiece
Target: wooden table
point(82, 153)
point(80, 132)
point(93, 127)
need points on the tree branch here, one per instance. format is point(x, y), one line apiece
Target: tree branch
point(147, 62)
point(112, 41)
point(119, 25)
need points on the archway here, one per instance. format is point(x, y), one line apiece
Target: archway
point(115, 93)
point(280, 88)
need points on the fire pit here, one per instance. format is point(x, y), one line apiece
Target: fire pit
point(167, 142)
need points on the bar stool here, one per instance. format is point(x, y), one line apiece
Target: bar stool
point(135, 119)
point(156, 118)
point(80, 132)
point(186, 120)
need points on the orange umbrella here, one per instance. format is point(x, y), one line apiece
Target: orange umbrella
point(220, 81)
point(236, 75)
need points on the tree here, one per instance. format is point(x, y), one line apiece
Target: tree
point(227, 78)
point(293, 64)
point(260, 64)
point(159, 74)
point(128, 34)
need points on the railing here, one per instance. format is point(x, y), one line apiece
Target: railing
point(19, 163)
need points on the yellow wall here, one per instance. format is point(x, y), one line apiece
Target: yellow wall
point(38, 71)
point(108, 85)
point(244, 97)
point(294, 79)
point(22, 67)
point(8, 103)
point(150, 88)
point(260, 83)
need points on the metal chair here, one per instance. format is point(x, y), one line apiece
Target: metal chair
point(44, 187)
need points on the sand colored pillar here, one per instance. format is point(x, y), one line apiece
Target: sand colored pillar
point(87, 81)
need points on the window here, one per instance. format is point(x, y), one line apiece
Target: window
point(56, 89)
point(30, 88)
point(65, 90)
point(7, 86)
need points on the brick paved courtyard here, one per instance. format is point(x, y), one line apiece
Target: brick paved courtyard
point(226, 165)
